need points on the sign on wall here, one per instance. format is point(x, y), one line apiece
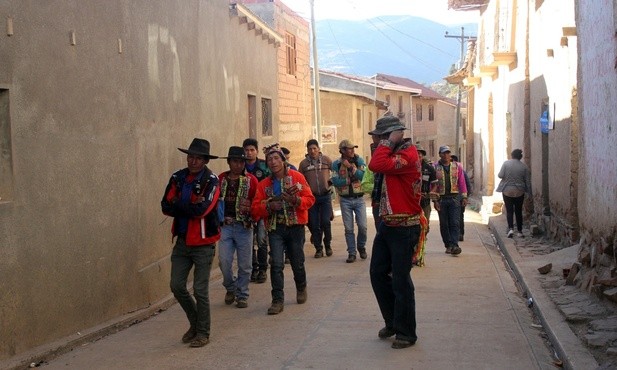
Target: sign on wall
point(328, 134)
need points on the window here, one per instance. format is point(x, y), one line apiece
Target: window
point(431, 147)
point(370, 121)
point(6, 160)
point(431, 112)
point(400, 104)
point(266, 117)
point(358, 118)
point(388, 100)
point(290, 45)
point(252, 112)
point(418, 112)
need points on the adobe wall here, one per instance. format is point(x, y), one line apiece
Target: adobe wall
point(95, 98)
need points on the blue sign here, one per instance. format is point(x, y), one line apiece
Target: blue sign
point(544, 120)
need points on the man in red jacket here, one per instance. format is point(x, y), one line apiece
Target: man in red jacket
point(283, 200)
point(398, 232)
point(190, 198)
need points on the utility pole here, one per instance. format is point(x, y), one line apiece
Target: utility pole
point(462, 38)
point(315, 75)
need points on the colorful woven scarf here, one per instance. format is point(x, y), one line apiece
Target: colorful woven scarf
point(243, 193)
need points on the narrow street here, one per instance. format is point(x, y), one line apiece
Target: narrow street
point(469, 313)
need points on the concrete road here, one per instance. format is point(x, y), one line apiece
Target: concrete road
point(469, 313)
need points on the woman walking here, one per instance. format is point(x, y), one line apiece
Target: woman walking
point(515, 183)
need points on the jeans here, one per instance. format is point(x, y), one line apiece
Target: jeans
point(260, 255)
point(449, 218)
point(390, 272)
point(235, 238)
point(349, 206)
point(182, 259)
point(289, 239)
point(319, 221)
point(514, 205)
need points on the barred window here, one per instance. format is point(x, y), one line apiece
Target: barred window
point(418, 112)
point(431, 112)
point(266, 117)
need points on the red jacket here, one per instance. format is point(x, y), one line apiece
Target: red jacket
point(203, 223)
point(402, 183)
point(293, 215)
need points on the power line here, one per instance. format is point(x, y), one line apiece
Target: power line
point(426, 64)
point(417, 39)
point(339, 49)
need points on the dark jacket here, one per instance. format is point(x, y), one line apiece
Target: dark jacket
point(203, 223)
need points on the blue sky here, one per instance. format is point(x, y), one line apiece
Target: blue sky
point(436, 10)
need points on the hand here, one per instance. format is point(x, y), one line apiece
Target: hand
point(396, 136)
point(346, 163)
point(437, 206)
point(275, 205)
point(289, 198)
point(292, 189)
point(464, 202)
point(199, 200)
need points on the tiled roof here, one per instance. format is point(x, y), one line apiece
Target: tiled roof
point(426, 92)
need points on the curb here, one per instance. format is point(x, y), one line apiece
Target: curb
point(568, 347)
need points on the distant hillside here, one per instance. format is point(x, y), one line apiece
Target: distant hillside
point(403, 46)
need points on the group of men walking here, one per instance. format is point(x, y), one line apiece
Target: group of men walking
point(266, 202)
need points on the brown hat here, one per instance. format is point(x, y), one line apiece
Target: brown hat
point(346, 144)
point(199, 147)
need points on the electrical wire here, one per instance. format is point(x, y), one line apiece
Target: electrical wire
point(417, 39)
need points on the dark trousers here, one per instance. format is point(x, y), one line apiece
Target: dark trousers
point(319, 223)
point(260, 254)
point(390, 272)
point(183, 258)
point(449, 220)
point(288, 239)
point(514, 205)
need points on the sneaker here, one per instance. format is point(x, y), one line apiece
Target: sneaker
point(520, 235)
point(301, 296)
point(386, 332)
point(363, 254)
point(318, 254)
point(448, 250)
point(261, 277)
point(351, 258)
point(400, 343)
point(254, 276)
point(199, 341)
point(276, 308)
point(328, 251)
point(456, 250)
point(242, 303)
point(510, 233)
point(189, 335)
point(229, 297)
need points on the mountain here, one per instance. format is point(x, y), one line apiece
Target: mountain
point(404, 46)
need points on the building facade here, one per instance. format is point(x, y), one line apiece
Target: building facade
point(95, 99)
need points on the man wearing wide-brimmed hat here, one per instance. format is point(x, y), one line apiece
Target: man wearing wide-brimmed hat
point(399, 232)
point(238, 189)
point(190, 198)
